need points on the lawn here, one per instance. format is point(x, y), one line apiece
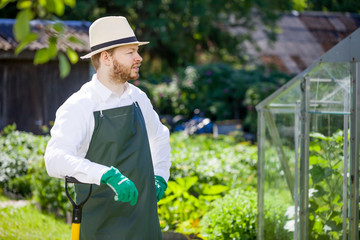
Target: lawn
point(28, 223)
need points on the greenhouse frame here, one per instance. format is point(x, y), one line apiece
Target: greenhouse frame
point(308, 150)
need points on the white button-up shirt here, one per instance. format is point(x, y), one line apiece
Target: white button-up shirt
point(74, 125)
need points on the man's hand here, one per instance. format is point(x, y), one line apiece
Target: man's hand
point(160, 186)
point(125, 190)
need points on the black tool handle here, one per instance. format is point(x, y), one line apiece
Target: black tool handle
point(77, 208)
point(72, 180)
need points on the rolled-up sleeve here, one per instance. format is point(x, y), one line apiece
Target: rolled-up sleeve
point(66, 149)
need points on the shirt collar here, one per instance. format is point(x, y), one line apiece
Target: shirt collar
point(102, 91)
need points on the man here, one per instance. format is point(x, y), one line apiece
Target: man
point(108, 134)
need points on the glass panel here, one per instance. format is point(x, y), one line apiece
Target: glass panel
point(326, 172)
point(287, 100)
point(330, 88)
point(329, 109)
point(279, 169)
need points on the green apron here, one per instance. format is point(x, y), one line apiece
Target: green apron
point(120, 140)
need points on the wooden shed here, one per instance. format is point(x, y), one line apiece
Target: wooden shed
point(29, 94)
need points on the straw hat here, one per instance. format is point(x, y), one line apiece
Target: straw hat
point(110, 32)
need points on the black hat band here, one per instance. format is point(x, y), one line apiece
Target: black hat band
point(114, 42)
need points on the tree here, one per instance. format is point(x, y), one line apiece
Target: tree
point(180, 32)
point(188, 31)
point(27, 10)
point(352, 6)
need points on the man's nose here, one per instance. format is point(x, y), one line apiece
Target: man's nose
point(138, 58)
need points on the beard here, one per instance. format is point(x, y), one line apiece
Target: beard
point(121, 73)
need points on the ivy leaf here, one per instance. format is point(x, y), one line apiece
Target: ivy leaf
point(52, 49)
point(55, 6)
point(64, 65)
point(320, 191)
point(22, 26)
point(187, 183)
point(23, 4)
point(59, 27)
point(317, 174)
point(72, 55)
point(216, 189)
point(59, 7)
point(76, 40)
point(3, 3)
point(70, 3)
point(42, 56)
point(318, 136)
point(25, 42)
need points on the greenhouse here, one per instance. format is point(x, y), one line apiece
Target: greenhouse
point(308, 149)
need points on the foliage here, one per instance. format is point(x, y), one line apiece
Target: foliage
point(49, 192)
point(235, 217)
point(326, 161)
point(23, 172)
point(326, 186)
point(213, 160)
point(28, 223)
point(24, 35)
point(182, 207)
point(203, 169)
point(219, 91)
point(18, 151)
point(333, 6)
point(276, 216)
point(197, 34)
point(232, 217)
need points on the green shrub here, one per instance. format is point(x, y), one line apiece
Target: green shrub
point(276, 219)
point(235, 217)
point(213, 160)
point(203, 169)
point(231, 217)
point(49, 192)
point(182, 208)
point(23, 172)
point(19, 150)
point(218, 90)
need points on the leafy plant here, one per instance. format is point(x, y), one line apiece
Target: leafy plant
point(18, 151)
point(231, 217)
point(235, 217)
point(326, 161)
point(25, 34)
point(203, 170)
point(182, 207)
point(213, 160)
point(48, 192)
point(23, 172)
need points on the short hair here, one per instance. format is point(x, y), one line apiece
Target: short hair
point(95, 59)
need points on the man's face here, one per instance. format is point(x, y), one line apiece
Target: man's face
point(126, 64)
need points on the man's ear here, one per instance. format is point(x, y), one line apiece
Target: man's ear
point(105, 58)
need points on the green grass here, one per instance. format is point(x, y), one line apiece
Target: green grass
point(28, 223)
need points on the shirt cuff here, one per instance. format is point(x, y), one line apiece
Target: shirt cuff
point(97, 172)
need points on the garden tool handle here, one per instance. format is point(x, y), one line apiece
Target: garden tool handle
point(77, 208)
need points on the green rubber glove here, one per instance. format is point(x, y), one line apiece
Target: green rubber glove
point(125, 190)
point(160, 186)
